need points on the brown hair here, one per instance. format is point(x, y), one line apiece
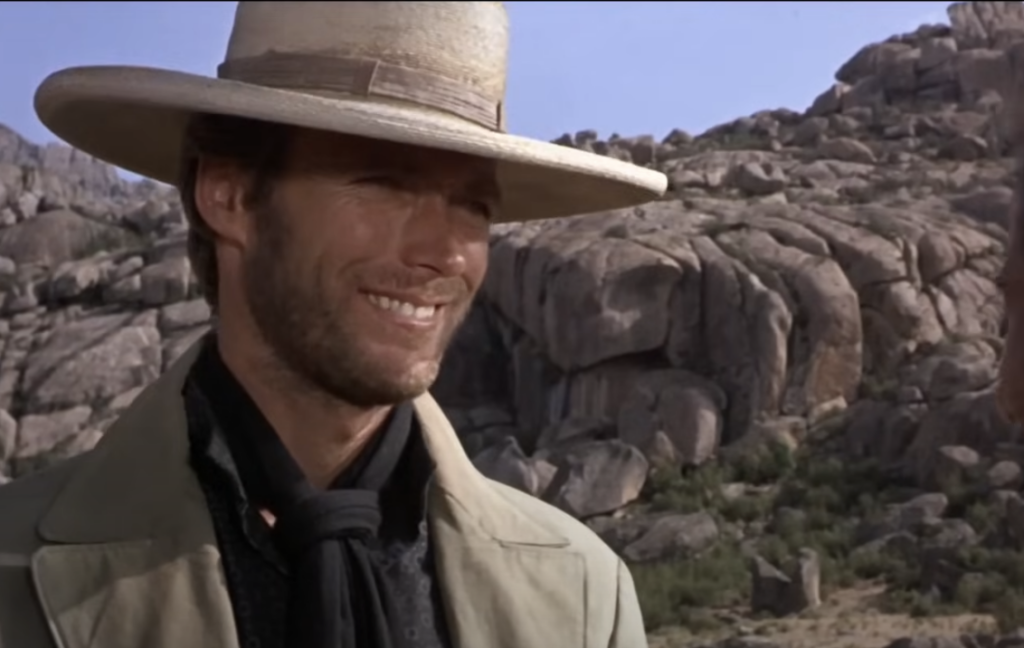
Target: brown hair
point(257, 147)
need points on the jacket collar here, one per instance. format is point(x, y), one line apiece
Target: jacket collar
point(139, 485)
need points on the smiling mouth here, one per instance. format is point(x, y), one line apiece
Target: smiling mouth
point(402, 308)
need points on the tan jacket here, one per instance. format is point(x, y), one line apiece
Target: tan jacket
point(115, 549)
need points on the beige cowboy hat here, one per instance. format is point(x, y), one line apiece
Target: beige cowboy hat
point(423, 73)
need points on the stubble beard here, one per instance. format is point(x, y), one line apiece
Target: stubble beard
point(311, 336)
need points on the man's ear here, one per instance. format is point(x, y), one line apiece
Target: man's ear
point(220, 198)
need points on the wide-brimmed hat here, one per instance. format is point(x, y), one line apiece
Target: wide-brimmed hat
point(430, 74)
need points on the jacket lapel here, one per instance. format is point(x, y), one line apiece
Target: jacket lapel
point(508, 580)
point(134, 558)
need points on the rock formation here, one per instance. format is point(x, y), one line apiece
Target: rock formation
point(803, 264)
point(825, 274)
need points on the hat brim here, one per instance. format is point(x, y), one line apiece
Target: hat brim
point(135, 118)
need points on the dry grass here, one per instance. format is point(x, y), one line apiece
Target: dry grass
point(848, 619)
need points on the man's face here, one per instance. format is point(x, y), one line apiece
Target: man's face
point(365, 261)
point(1010, 394)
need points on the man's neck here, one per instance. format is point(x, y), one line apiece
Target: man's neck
point(323, 434)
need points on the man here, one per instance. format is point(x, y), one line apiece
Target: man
point(289, 483)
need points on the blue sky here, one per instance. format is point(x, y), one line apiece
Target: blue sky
point(626, 67)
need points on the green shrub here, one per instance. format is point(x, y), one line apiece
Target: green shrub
point(1008, 612)
point(670, 591)
point(826, 496)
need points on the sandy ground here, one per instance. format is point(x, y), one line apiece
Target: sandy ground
point(847, 620)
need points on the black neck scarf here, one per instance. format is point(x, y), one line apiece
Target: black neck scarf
point(336, 596)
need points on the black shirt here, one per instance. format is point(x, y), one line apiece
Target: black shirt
point(257, 575)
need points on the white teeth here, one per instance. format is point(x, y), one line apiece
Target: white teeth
point(404, 309)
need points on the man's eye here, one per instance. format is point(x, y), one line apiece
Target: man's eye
point(482, 208)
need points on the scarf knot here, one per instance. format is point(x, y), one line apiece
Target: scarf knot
point(331, 515)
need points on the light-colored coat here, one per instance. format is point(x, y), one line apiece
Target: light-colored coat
point(115, 549)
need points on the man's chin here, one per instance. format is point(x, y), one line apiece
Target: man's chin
point(371, 396)
point(395, 384)
point(417, 379)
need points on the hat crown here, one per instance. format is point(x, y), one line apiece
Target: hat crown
point(462, 42)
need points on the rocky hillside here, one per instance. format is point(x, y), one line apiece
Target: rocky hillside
point(770, 391)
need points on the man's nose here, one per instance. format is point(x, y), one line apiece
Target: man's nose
point(435, 237)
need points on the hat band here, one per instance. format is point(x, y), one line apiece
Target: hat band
point(365, 78)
